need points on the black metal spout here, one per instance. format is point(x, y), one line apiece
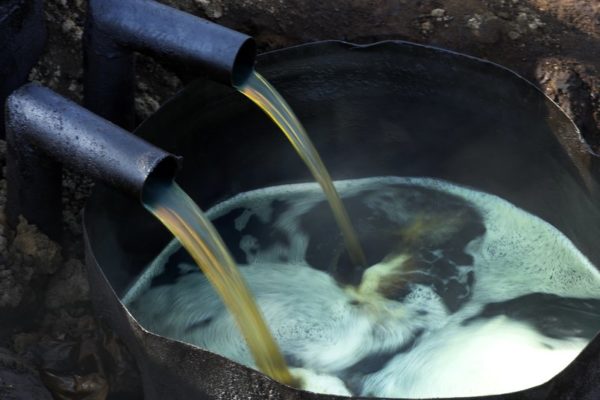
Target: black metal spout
point(45, 130)
point(117, 28)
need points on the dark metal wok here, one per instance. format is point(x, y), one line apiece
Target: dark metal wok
point(392, 108)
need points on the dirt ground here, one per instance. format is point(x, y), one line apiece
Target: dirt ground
point(50, 344)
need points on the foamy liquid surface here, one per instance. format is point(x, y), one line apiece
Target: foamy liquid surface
point(467, 294)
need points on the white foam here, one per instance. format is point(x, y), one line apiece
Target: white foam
point(319, 383)
point(309, 315)
point(316, 325)
point(495, 356)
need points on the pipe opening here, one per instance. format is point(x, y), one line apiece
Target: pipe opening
point(243, 64)
point(163, 172)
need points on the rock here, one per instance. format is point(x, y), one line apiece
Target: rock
point(22, 341)
point(212, 8)
point(522, 17)
point(490, 30)
point(474, 22)
point(31, 248)
point(68, 286)
point(487, 28)
point(11, 290)
point(426, 27)
point(27, 262)
point(535, 24)
point(438, 12)
point(90, 386)
point(575, 91)
point(18, 380)
point(146, 105)
point(514, 35)
point(87, 363)
point(68, 25)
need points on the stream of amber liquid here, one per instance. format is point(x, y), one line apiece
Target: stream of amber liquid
point(178, 212)
point(263, 94)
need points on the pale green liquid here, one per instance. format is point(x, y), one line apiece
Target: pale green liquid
point(410, 330)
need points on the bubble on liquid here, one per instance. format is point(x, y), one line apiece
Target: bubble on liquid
point(428, 333)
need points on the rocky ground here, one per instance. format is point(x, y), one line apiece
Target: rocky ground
point(55, 348)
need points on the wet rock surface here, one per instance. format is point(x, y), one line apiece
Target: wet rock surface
point(51, 346)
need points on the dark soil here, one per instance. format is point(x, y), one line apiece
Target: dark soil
point(50, 343)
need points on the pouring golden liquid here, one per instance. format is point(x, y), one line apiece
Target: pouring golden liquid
point(260, 91)
point(178, 212)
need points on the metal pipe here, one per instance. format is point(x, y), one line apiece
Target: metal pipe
point(117, 28)
point(44, 129)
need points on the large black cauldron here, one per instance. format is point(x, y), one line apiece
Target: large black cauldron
point(391, 108)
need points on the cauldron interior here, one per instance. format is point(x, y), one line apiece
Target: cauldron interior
point(392, 108)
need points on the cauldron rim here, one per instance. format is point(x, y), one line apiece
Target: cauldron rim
point(266, 56)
